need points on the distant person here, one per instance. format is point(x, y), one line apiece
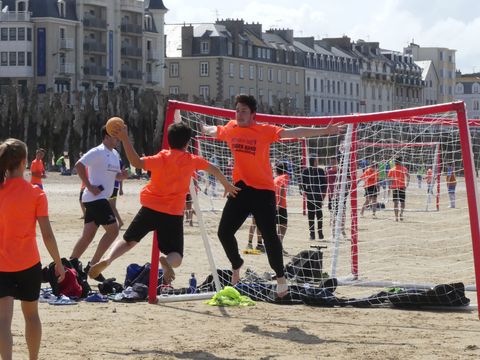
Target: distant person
point(211, 182)
point(420, 176)
point(251, 232)
point(37, 168)
point(429, 181)
point(400, 179)
point(22, 206)
point(370, 180)
point(314, 185)
point(61, 165)
point(451, 181)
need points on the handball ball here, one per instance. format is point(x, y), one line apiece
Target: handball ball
point(113, 124)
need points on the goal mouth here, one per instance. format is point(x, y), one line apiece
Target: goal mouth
point(429, 244)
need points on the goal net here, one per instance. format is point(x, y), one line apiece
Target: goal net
point(425, 248)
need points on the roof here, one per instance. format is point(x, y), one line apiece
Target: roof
point(211, 30)
point(47, 8)
point(426, 65)
point(155, 5)
point(277, 42)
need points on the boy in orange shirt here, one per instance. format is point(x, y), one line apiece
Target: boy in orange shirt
point(370, 179)
point(400, 178)
point(163, 198)
point(37, 169)
point(281, 187)
point(249, 143)
point(22, 205)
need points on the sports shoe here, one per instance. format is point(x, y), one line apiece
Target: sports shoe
point(249, 246)
point(320, 235)
point(312, 236)
point(260, 247)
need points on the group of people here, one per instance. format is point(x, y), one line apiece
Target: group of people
point(162, 200)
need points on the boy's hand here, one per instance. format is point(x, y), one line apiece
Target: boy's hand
point(59, 271)
point(231, 190)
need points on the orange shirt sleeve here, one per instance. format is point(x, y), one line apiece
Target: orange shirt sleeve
point(42, 205)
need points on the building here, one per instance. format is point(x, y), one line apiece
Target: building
point(443, 60)
point(82, 44)
point(467, 89)
point(215, 62)
point(431, 80)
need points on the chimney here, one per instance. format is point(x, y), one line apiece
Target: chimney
point(187, 40)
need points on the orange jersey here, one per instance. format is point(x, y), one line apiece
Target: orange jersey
point(370, 177)
point(37, 166)
point(250, 147)
point(398, 175)
point(170, 180)
point(21, 204)
point(281, 185)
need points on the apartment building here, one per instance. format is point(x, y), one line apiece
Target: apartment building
point(217, 61)
point(443, 60)
point(407, 78)
point(82, 44)
point(467, 89)
point(431, 80)
point(332, 77)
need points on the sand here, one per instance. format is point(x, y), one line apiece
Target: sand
point(194, 330)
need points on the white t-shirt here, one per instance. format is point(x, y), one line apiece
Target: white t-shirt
point(103, 166)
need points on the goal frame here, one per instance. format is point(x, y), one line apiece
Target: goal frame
point(411, 115)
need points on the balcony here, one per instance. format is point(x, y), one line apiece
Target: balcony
point(15, 16)
point(94, 70)
point(153, 78)
point(66, 44)
point(67, 69)
point(131, 28)
point(131, 51)
point(93, 22)
point(92, 46)
point(131, 74)
point(153, 55)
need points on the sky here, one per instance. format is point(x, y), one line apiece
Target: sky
point(392, 23)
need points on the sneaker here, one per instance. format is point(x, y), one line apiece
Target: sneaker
point(320, 235)
point(312, 236)
point(260, 247)
point(249, 246)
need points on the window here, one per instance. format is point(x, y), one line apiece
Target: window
point(3, 58)
point(204, 91)
point(12, 58)
point(242, 90)
point(4, 34)
point(251, 72)
point(204, 47)
point(288, 77)
point(333, 87)
point(61, 8)
point(229, 48)
point(260, 73)
point(476, 105)
point(231, 70)
point(21, 58)
point(62, 33)
point(308, 84)
point(270, 74)
point(240, 50)
point(321, 85)
point(297, 78)
point(21, 34)
point(252, 92)
point(351, 90)
point(441, 55)
point(357, 90)
point(279, 76)
point(29, 58)
point(13, 34)
point(314, 84)
point(315, 105)
point(345, 90)
point(204, 69)
point(250, 51)
point(231, 91)
point(241, 71)
point(174, 70)
point(29, 34)
point(173, 90)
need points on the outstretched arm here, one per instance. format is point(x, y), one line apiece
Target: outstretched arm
point(229, 188)
point(122, 134)
point(299, 132)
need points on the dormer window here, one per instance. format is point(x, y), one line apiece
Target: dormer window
point(21, 6)
point(148, 22)
point(61, 8)
point(204, 47)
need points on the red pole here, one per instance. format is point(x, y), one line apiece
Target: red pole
point(439, 168)
point(153, 282)
point(353, 203)
point(305, 164)
point(472, 193)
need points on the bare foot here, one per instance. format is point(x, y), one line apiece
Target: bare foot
point(168, 273)
point(235, 276)
point(98, 268)
point(282, 287)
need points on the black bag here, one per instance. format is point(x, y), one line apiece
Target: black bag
point(441, 295)
point(306, 266)
point(48, 275)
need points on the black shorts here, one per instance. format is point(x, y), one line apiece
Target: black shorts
point(22, 285)
point(371, 190)
point(188, 199)
point(398, 195)
point(100, 212)
point(114, 194)
point(169, 229)
point(282, 216)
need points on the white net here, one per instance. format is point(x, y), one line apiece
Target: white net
point(421, 250)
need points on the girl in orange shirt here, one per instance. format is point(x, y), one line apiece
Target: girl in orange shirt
point(21, 206)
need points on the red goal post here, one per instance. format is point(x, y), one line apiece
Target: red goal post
point(413, 115)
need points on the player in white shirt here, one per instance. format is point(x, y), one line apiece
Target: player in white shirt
point(103, 163)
